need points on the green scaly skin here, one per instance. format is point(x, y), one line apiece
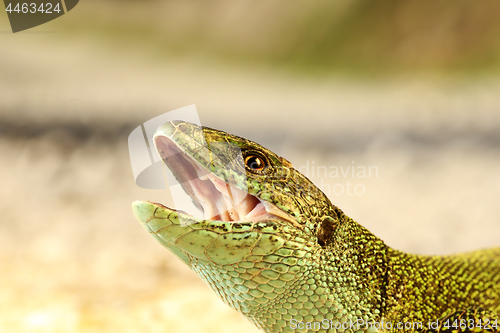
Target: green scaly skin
point(318, 265)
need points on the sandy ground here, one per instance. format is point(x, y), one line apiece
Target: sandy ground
point(72, 256)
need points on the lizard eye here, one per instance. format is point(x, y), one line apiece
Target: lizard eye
point(254, 162)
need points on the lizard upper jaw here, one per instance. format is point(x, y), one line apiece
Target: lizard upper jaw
point(212, 195)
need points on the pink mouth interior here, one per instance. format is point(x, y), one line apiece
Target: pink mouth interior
point(210, 194)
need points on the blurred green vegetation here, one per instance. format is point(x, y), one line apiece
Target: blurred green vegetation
point(382, 36)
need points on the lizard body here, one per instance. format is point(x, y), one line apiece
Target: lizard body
point(275, 248)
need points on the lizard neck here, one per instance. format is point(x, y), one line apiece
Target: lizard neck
point(359, 260)
point(341, 282)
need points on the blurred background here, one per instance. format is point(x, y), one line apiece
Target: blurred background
point(406, 91)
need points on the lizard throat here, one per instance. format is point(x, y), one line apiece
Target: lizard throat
point(218, 200)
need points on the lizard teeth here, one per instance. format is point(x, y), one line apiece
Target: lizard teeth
point(229, 203)
point(233, 214)
point(237, 202)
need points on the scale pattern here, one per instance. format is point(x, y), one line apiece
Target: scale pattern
point(325, 271)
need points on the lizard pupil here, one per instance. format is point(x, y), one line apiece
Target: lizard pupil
point(255, 162)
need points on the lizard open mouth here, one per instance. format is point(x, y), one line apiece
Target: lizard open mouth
point(217, 199)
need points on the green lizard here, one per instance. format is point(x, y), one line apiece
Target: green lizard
point(275, 248)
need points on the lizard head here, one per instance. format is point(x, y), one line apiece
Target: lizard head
point(242, 188)
point(262, 219)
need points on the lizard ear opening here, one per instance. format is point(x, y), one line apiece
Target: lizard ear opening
point(325, 231)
